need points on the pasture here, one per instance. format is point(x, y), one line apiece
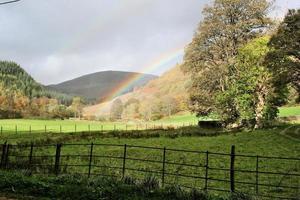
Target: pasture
point(186, 168)
point(261, 164)
point(67, 126)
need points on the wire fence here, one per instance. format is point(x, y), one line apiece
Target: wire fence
point(264, 176)
point(21, 129)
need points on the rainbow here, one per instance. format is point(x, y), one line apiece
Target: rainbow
point(163, 61)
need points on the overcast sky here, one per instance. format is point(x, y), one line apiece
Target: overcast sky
point(56, 40)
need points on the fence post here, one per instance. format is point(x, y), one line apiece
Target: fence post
point(232, 158)
point(206, 172)
point(163, 169)
point(91, 159)
point(16, 129)
point(256, 177)
point(6, 156)
point(57, 159)
point(1, 130)
point(29, 129)
point(30, 158)
point(124, 160)
point(3, 155)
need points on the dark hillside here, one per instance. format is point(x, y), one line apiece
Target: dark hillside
point(98, 85)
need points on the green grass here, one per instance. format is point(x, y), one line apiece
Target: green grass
point(280, 141)
point(25, 125)
point(17, 185)
point(289, 111)
point(183, 119)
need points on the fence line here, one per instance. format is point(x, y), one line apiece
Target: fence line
point(12, 157)
point(13, 128)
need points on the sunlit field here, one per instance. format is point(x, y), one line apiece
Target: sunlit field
point(65, 126)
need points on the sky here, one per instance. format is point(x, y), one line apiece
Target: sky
point(57, 40)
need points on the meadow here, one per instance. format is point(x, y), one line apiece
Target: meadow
point(145, 152)
point(68, 126)
point(142, 161)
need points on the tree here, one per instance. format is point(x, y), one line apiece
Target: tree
point(169, 106)
point(77, 107)
point(210, 57)
point(250, 92)
point(116, 110)
point(131, 109)
point(151, 108)
point(284, 59)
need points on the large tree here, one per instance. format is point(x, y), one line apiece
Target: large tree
point(210, 57)
point(284, 59)
point(250, 90)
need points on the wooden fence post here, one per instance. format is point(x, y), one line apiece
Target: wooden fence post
point(29, 129)
point(91, 159)
point(163, 167)
point(3, 155)
point(6, 156)
point(16, 129)
point(57, 159)
point(124, 161)
point(256, 176)
point(232, 159)
point(30, 158)
point(1, 130)
point(206, 172)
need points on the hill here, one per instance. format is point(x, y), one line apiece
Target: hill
point(158, 94)
point(15, 78)
point(98, 86)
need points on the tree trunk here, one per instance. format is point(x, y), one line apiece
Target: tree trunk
point(259, 109)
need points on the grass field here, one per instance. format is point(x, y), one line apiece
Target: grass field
point(26, 125)
point(289, 111)
point(281, 141)
point(184, 119)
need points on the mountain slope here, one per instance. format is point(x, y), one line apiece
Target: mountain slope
point(173, 83)
point(15, 78)
point(98, 85)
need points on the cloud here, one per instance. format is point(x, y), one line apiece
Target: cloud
point(60, 39)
